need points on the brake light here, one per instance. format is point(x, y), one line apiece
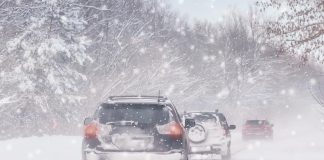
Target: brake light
point(246, 127)
point(266, 127)
point(91, 131)
point(224, 132)
point(173, 129)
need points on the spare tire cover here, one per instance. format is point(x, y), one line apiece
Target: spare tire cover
point(197, 134)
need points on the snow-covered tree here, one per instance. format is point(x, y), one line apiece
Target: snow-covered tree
point(43, 58)
point(315, 87)
point(232, 60)
point(131, 47)
point(297, 27)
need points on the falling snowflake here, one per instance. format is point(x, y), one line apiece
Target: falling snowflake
point(166, 65)
point(116, 21)
point(136, 71)
point(264, 102)
point(283, 92)
point(222, 65)
point(238, 61)
point(212, 58)
point(181, 1)
point(251, 80)
point(312, 144)
point(9, 147)
point(192, 47)
point(143, 50)
point(313, 81)
point(205, 58)
point(263, 48)
point(291, 92)
point(93, 90)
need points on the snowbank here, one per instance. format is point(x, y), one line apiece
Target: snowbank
point(42, 148)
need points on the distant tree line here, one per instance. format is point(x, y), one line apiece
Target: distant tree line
point(59, 59)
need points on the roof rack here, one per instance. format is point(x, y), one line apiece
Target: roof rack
point(158, 98)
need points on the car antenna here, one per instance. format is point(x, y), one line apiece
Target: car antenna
point(159, 94)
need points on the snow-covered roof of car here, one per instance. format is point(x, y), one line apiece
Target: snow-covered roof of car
point(139, 99)
point(197, 112)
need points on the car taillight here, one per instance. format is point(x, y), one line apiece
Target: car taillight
point(91, 131)
point(224, 132)
point(173, 129)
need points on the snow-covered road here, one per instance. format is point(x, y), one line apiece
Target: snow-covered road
point(290, 146)
point(297, 140)
point(298, 135)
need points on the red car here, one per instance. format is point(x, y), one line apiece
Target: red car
point(253, 129)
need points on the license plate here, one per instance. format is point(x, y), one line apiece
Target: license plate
point(204, 157)
point(200, 149)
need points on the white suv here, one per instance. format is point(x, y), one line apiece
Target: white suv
point(210, 138)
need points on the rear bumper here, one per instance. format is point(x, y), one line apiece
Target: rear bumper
point(98, 155)
point(213, 149)
point(206, 156)
point(208, 152)
point(256, 135)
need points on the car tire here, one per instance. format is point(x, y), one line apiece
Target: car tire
point(245, 138)
point(271, 138)
point(83, 152)
point(228, 154)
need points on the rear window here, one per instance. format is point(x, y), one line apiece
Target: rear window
point(256, 122)
point(202, 117)
point(137, 113)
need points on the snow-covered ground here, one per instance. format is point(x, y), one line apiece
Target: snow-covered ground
point(304, 146)
point(292, 146)
point(41, 148)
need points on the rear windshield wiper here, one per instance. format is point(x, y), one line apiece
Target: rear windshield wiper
point(123, 123)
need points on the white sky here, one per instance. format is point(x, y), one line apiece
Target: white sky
point(211, 10)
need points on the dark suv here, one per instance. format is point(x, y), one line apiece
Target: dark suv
point(136, 127)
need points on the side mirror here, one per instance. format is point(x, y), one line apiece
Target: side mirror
point(87, 120)
point(189, 123)
point(232, 127)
